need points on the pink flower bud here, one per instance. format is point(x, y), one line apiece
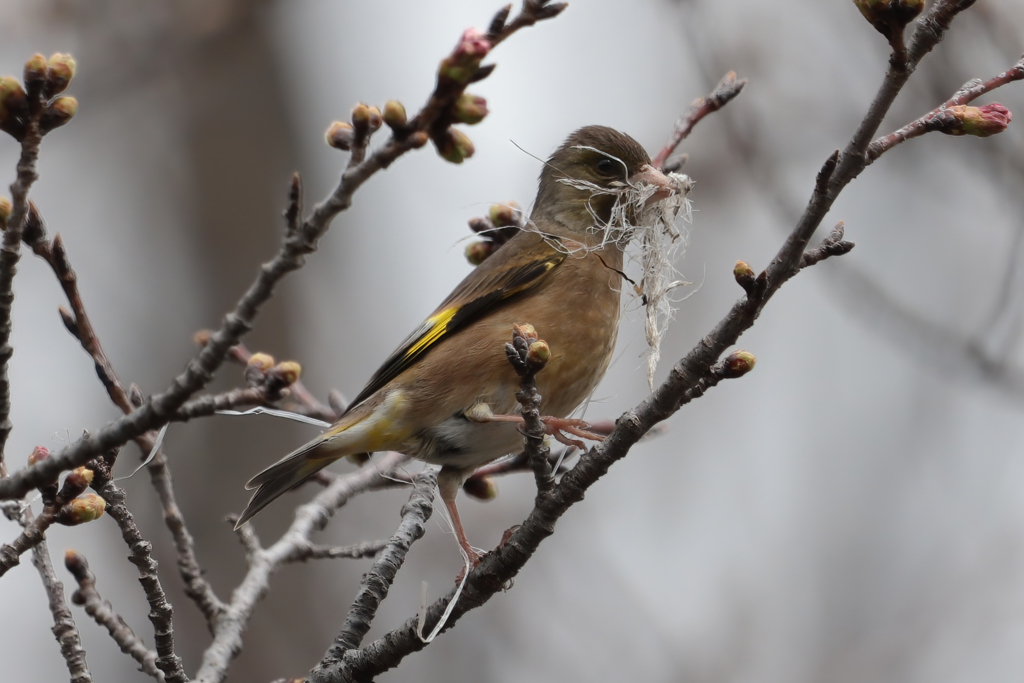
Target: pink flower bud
point(462, 63)
point(39, 453)
point(981, 121)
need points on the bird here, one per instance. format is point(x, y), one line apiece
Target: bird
point(447, 395)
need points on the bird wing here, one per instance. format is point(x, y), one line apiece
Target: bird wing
point(507, 273)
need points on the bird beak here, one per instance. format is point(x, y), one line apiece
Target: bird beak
point(652, 176)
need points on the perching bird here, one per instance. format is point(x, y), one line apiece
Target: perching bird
point(442, 394)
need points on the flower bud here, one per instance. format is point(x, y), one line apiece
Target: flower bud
point(503, 215)
point(461, 65)
point(477, 252)
point(35, 72)
point(366, 119)
point(59, 112)
point(744, 274)
point(454, 146)
point(76, 482)
point(261, 362)
point(83, 509)
point(13, 107)
point(889, 17)
point(394, 114)
point(82, 476)
point(979, 121)
point(287, 373)
point(60, 69)
point(470, 109)
point(540, 354)
point(341, 135)
point(39, 453)
point(525, 330)
point(75, 563)
point(481, 488)
point(739, 363)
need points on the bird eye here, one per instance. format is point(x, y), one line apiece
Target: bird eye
point(608, 167)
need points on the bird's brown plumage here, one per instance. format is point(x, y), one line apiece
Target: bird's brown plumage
point(556, 275)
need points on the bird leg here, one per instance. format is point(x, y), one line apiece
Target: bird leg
point(449, 481)
point(553, 426)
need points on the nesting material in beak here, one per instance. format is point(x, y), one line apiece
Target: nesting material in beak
point(664, 186)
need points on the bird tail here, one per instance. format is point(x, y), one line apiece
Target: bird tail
point(286, 474)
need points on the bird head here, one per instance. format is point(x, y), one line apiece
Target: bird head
point(585, 177)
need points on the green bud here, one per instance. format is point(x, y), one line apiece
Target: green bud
point(60, 69)
point(478, 252)
point(394, 114)
point(87, 508)
point(454, 146)
point(470, 109)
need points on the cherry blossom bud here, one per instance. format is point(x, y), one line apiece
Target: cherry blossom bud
point(744, 274)
point(481, 488)
point(341, 135)
point(39, 453)
point(394, 114)
point(287, 373)
point(60, 69)
point(539, 355)
point(454, 146)
point(979, 121)
point(739, 363)
point(59, 112)
point(477, 252)
point(87, 508)
point(470, 109)
point(461, 65)
point(35, 72)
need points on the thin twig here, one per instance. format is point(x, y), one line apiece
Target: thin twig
point(378, 580)
point(32, 535)
point(310, 551)
point(140, 554)
point(727, 88)
point(10, 253)
point(970, 91)
point(64, 628)
point(103, 613)
point(309, 518)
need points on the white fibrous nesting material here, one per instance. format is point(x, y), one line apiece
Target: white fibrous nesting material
point(655, 230)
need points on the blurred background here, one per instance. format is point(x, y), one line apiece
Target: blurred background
point(850, 511)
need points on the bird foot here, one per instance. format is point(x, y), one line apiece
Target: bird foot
point(558, 427)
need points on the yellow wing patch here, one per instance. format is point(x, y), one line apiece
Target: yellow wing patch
point(438, 325)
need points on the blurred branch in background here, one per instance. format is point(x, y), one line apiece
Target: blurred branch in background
point(983, 356)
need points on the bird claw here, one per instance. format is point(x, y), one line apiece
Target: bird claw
point(555, 426)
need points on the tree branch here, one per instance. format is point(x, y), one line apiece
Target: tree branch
point(103, 613)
